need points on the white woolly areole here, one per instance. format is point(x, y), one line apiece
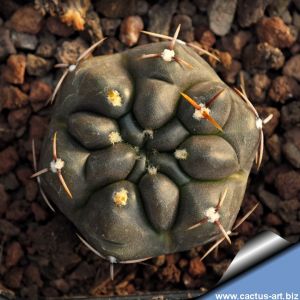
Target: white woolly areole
point(148, 132)
point(57, 164)
point(114, 98)
point(115, 137)
point(168, 55)
point(259, 123)
point(152, 170)
point(181, 154)
point(212, 215)
point(72, 68)
point(121, 197)
point(112, 259)
point(199, 113)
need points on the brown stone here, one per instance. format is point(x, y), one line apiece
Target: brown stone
point(26, 19)
point(56, 27)
point(39, 213)
point(288, 184)
point(13, 278)
point(275, 32)
point(38, 127)
point(14, 71)
point(8, 159)
point(258, 87)
point(130, 30)
point(14, 253)
point(264, 112)
point(197, 267)
point(292, 67)
point(38, 66)
point(3, 199)
point(39, 91)
point(19, 117)
point(33, 276)
point(12, 97)
point(284, 88)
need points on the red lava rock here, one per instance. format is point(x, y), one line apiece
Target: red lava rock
point(31, 187)
point(83, 272)
point(293, 228)
point(262, 56)
point(292, 146)
point(275, 32)
point(272, 220)
point(50, 292)
point(250, 11)
point(130, 30)
point(13, 278)
point(197, 267)
point(14, 253)
point(221, 267)
point(290, 114)
point(32, 275)
point(38, 127)
point(230, 74)
point(12, 97)
point(264, 112)
point(39, 213)
point(38, 66)
point(26, 19)
point(39, 91)
point(292, 67)
point(246, 229)
point(258, 87)
point(288, 184)
point(14, 71)
point(235, 43)
point(19, 117)
point(8, 159)
point(47, 46)
point(18, 211)
point(61, 284)
point(56, 27)
point(288, 210)
point(284, 88)
point(237, 245)
point(4, 198)
point(109, 26)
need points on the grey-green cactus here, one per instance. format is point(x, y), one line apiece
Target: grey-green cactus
point(148, 152)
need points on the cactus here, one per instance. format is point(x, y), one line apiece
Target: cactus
point(148, 151)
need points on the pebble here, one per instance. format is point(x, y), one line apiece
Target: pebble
point(24, 41)
point(250, 11)
point(69, 51)
point(8, 159)
point(275, 32)
point(47, 46)
point(9, 181)
point(38, 66)
point(221, 267)
point(32, 275)
point(6, 45)
point(274, 147)
point(271, 126)
point(82, 272)
point(290, 114)
point(230, 74)
point(55, 26)
point(39, 91)
point(272, 220)
point(14, 253)
point(116, 8)
point(13, 278)
point(292, 67)
point(130, 30)
point(186, 30)
point(61, 284)
point(26, 19)
point(38, 127)
point(39, 212)
point(262, 56)
point(160, 17)
point(18, 211)
point(220, 15)
point(204, 36)
point(197, 267)
point(19, 117)
point(288, 210)
point(4, 198)
point(288, 184)
point(14, 71)
point(8, 229)
point(293, 228)
point(12, 97)
point(258, 87)
point(187, 7)
point(235, 43)
point(284, 88)
point(110, 26)
point(291, 148)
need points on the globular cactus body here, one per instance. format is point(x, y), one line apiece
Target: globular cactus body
point(148, 174)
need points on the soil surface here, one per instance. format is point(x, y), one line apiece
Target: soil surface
point(40, 255)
